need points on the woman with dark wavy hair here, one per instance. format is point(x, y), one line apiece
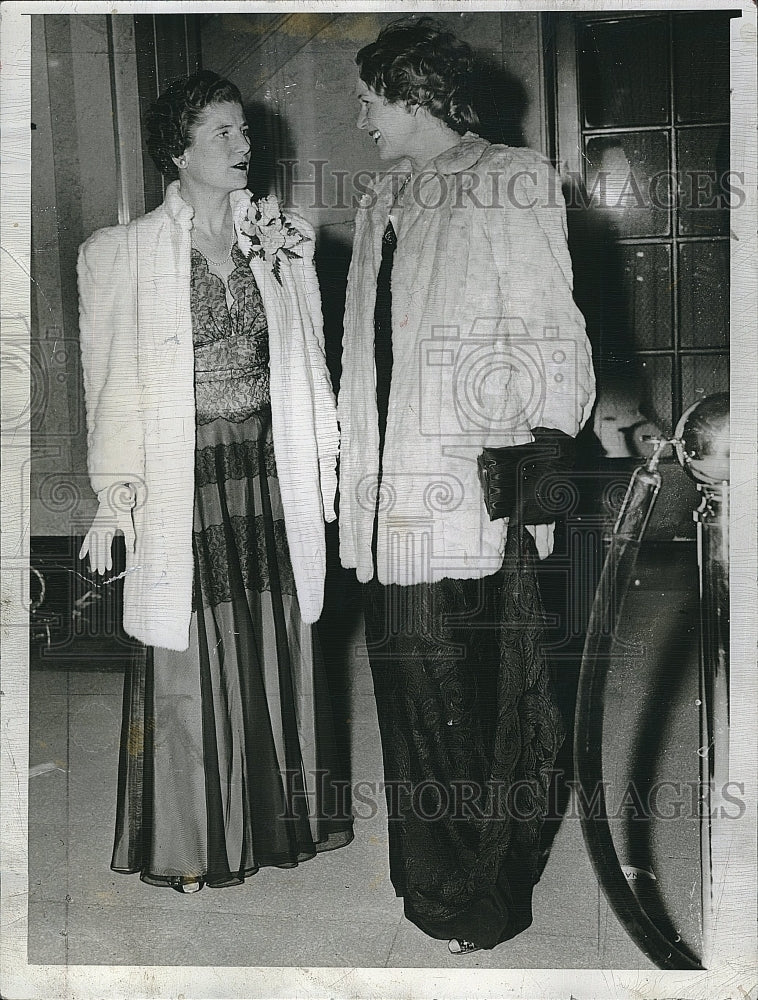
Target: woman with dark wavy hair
point(461, 334)
point(212, 445)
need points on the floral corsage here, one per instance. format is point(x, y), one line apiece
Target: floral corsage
point(271, 236)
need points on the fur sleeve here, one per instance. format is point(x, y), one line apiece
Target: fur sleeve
point(108, 341)
point(526, 230)
point(324, 406)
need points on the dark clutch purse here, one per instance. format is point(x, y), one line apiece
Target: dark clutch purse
point(517, 481)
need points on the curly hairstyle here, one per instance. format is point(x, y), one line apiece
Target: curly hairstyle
point(419, 62)
point(171, 120)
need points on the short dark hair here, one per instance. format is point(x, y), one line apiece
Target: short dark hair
point(419, 62)
point(171, 120)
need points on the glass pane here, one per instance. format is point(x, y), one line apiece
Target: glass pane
point(657, 401)
point(704, 294)
point(703, 375)
point(623, 72)
point(703, 181)
point(629, 183)
point(647, 294)
point(701, 67)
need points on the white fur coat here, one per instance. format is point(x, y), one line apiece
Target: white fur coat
point(138, 363)
point(487, 344)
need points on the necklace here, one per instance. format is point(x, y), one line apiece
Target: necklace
point(216, 263)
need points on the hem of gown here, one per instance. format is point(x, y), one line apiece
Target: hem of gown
point(332, 843)
point(488, 920)
point(459, 927)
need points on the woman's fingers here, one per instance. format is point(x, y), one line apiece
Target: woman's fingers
point(97, 556)
point(98, 545)
point(106, 558)
point(85, 547)
point(98, 542)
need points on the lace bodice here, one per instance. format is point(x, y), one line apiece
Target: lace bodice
point(231, 344)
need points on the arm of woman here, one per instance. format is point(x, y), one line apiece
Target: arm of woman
point(325, 410)
point(528, 237)
point(108, 342)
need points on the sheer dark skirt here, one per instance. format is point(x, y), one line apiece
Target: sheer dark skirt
point(470, 733)
point(228, 761)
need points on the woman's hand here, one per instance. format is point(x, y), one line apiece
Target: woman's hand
point(114, 514)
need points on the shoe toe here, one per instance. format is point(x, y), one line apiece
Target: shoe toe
point(457, 946)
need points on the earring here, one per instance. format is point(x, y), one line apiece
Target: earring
point(182, 162)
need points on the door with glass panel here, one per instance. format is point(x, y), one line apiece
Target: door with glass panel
point(642, 115)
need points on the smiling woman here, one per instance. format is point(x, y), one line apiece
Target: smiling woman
point(393, 127)
point(188, 338)
point(451, 604)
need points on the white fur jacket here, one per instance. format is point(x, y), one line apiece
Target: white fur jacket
point(138, 362)
point(487, 344)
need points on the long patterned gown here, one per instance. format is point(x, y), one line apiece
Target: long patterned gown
point(469, 727)
point(228, 760)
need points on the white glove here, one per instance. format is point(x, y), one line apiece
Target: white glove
point(113, 514)
point(544, 537)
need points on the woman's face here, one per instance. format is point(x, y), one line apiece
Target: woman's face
point(393, 127)
point(219, 153)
